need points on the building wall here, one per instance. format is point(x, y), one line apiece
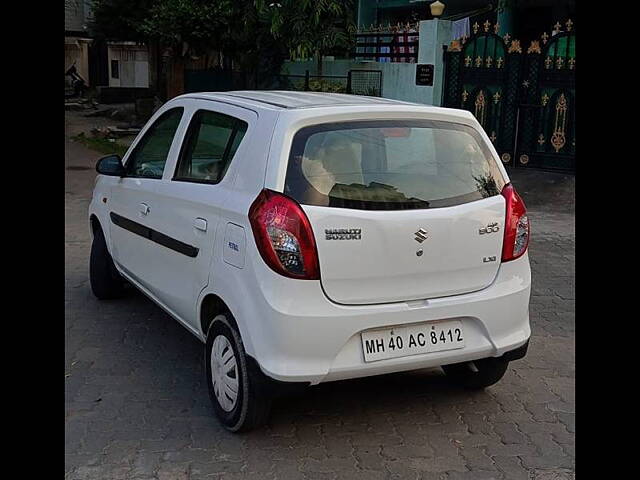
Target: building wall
point(77, 15)
point(366, 13)
point(379, 12)
point(128, 65)
point(76, 51)
point(398, 79)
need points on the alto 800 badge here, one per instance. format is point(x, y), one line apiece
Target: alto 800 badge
point(491, 228)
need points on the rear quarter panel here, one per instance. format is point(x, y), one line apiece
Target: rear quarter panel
point(234, 281)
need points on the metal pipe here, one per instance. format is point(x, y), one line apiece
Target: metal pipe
point(515, 142)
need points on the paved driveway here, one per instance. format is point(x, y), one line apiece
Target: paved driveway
point(137, 406)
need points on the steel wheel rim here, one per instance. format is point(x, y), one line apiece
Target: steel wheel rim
point(224, 373)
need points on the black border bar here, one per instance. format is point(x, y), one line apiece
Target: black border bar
point(154, 235)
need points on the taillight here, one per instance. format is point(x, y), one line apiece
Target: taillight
point(516, 229)
point(284, 236)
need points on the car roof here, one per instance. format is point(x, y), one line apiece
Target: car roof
point(313, 104)
point(283, 99)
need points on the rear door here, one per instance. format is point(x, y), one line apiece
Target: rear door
point(401, 210)
point(192, 198)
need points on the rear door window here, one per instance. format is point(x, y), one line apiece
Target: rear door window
point(391, 165)
point(209, 146)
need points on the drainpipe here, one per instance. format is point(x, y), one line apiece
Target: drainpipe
point(506, 17)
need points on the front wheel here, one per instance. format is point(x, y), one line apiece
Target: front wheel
point(106, 282)
point(478, 374)
point(239, 391)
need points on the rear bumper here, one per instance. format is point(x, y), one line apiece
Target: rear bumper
point(517, 353)
point(301, 336)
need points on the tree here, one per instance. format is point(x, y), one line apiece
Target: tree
point(120, 19)
point(253, 34)
point(233, 28)
point(175, 29)
point(310, 27)
point(188, 26)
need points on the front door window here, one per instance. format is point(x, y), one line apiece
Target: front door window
point(150, 154)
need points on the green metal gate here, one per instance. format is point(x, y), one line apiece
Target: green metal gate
point(546, 134)
point(525, 101)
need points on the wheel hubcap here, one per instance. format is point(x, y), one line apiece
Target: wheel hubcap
point(224, 373)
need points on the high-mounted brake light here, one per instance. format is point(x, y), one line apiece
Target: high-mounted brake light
point(284, 236)
point(517, 229)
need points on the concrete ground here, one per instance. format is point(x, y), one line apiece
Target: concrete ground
point(76, 122)
point(545, 191)
point(136, 404)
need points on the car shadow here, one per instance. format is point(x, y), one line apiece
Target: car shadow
point(396, 393)
point(166, 362)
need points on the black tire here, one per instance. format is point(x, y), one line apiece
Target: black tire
point(254, 391)
point(106, 282)
point(489, 371)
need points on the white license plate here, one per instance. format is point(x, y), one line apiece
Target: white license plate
point(408, 340)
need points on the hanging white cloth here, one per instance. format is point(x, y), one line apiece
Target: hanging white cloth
point(460, 28)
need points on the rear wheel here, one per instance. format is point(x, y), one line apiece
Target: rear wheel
point(478, 374)
point(239, 391)
point(106, 281)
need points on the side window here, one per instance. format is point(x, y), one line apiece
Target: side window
point(150, 155)
point(209, 146)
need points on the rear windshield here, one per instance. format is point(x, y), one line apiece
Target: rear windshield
point(390, 165)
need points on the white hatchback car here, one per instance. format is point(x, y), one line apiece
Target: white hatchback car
point(312, 237)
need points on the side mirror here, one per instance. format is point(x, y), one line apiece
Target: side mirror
point(110, 165)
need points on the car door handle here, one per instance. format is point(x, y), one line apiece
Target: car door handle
point(200, 224)
point(144, 208)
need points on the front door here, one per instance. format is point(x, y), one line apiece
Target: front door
point(133, 206)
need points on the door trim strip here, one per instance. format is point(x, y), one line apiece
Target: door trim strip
point(153, 235)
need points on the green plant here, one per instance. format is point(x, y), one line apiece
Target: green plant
point(310, 28)
point(102, 145)
point(323, 85)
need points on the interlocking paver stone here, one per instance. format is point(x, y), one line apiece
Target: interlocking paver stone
point(136, 403)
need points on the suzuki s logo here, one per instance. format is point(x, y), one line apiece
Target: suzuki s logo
point(421, 235)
